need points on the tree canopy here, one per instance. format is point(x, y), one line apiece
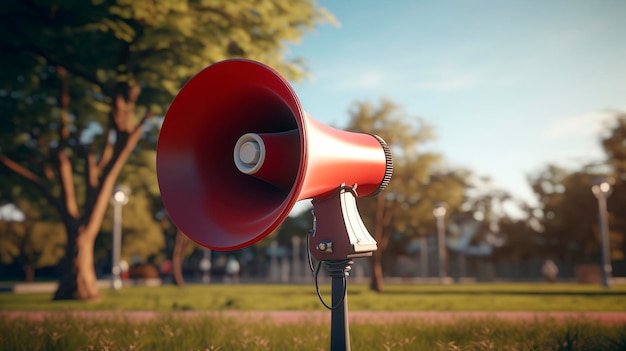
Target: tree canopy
point(34, 241)
point(80, 79)
point(419, 178)
point(614, 145)
point(567, 214)
point(82, 83)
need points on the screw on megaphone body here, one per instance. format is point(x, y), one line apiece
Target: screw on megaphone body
point(325, 246)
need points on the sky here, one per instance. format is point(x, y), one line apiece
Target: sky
point(508, 86)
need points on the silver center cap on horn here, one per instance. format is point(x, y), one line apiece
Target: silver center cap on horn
point(249, 153)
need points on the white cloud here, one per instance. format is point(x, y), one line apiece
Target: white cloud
point(585, 125)
point(384, 79)
point(446, 84)
point(371, 79)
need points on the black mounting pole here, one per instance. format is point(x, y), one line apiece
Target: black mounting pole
point(337, 237)
point(339, 326)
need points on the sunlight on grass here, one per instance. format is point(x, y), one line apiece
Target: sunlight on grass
point(471, 297)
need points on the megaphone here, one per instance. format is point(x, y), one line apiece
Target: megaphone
point(237, 151)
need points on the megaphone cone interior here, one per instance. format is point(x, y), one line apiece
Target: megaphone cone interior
point(237, 151)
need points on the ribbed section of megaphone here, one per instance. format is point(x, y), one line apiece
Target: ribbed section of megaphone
point(207, 194)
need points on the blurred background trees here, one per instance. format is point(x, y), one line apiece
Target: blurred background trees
point(80, 80)
point(419, 178)
point(33, 241)
point(614, 145)
point(83, 87)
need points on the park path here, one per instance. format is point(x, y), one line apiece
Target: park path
point(283, 317)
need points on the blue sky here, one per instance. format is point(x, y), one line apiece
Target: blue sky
point(508, 86)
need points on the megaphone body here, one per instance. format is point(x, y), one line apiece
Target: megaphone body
point(237, 151)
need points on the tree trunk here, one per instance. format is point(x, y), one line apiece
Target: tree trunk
point(78, 278)
point(29, 272)
point(376, 283)
point(180, 245)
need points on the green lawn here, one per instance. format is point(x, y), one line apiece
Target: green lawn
point(174, 331)
point(466, 297)
point(202, 332)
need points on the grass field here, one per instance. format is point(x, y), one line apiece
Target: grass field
point(470, 297)
point(173, 332)
point(174, 328)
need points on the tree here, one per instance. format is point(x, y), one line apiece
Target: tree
point(614, 145)
point(33, 243)
point(30, 234)
point(80, 79)
point(419, 179)
point(568, 214)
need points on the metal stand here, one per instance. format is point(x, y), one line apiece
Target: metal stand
point(339, 326)
point(338, 236)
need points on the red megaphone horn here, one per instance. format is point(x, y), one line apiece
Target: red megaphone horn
point(237, 151)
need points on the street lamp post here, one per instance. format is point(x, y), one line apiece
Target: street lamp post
point(119, 198)
point(439, 212)
point(296, 264)
point(205, 265)
point(602, 189)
